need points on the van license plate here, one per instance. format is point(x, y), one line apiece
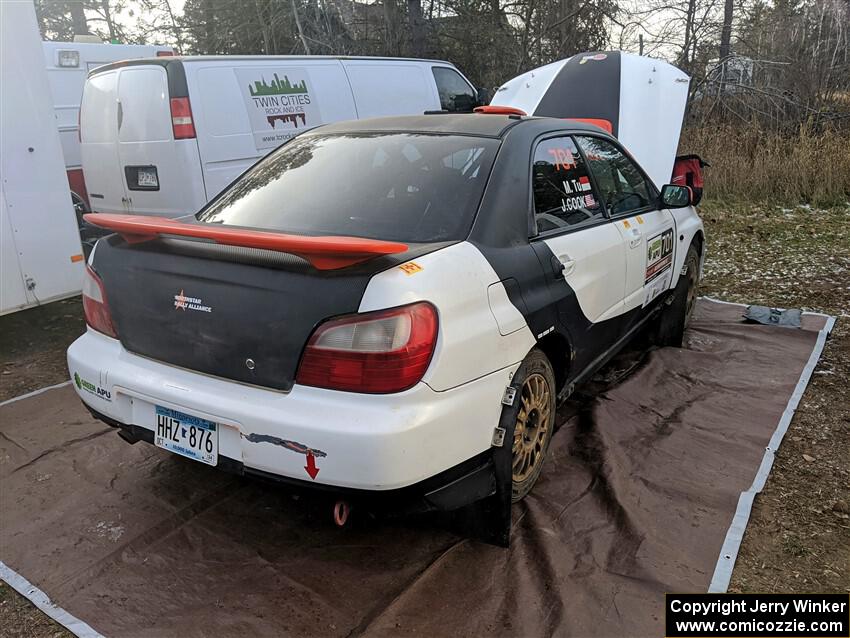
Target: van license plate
point(187, 435)
point(147, 177)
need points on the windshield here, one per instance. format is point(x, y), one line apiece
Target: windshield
point(407, 187)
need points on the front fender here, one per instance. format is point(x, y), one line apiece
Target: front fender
point(688, 226)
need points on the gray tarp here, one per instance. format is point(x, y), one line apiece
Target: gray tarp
point(638, 492)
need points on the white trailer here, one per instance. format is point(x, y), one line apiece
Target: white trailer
point(40, 254)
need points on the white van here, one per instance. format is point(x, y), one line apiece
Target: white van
point(163, 136)
point(68, 65)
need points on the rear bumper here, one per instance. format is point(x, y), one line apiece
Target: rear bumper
point(473, 480)
point(372, 443)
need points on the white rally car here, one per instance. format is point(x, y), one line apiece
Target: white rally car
point(388, 309)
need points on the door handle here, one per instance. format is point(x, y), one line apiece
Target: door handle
point(568, 264)
point(120, 114)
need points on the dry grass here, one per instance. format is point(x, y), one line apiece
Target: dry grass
point(750, 164)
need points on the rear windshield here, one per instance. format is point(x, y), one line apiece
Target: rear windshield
point(398, 186)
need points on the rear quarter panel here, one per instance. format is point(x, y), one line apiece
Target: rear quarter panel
point(456, 280)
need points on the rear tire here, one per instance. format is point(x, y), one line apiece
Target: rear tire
point(676, 316)
point(532, 418)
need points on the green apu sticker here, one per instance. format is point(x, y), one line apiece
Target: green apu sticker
point(91, 388)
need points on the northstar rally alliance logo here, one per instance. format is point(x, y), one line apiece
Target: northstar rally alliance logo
point(182, 302)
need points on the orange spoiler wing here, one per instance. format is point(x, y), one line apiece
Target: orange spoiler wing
point(493, 109)
point(324, 253)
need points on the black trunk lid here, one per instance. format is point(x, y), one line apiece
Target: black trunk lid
point(237, 313)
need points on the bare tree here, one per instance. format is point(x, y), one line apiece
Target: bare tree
point(417, 32)
point(78, 17)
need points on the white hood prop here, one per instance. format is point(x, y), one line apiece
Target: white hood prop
point(642, 98)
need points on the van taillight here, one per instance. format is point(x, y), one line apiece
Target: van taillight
point(375, 352)
point(181, 118)
point(164, 54)
point(95, 307)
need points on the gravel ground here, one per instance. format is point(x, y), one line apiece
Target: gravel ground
point(798, 539)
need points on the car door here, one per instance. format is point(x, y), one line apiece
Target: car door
point(646, 229)
point(578, 245)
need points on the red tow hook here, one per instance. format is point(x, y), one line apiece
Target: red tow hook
point(342, 510)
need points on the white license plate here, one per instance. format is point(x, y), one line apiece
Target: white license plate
point(187, 435)
point(147, 178)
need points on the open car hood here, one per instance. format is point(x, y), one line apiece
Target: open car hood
point(642, 98)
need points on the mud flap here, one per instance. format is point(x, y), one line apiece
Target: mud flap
point(489, 519)
point(497, 508)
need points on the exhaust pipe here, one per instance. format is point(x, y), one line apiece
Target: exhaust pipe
point(342, 510)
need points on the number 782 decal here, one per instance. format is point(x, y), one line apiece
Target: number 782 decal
point(659, 254)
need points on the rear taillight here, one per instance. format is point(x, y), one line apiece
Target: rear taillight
point(95, 307)
point(164, 54)
point(181, 118)
point(374, 352)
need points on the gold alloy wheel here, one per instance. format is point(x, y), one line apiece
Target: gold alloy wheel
point(532, 426)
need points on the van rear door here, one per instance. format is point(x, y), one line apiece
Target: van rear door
point(99, 144)
point(151, 160)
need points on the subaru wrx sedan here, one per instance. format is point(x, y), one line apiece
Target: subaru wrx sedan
point(388, 307)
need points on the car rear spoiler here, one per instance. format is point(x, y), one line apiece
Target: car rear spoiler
point(324, 253)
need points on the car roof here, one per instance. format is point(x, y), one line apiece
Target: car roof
point(479, 124)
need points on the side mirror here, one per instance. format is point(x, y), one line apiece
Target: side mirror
point(482, 96)
point(674, 196)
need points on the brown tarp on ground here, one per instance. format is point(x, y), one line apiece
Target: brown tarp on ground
point(638, 492)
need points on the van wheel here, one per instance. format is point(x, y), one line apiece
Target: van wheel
point(676, 316)
point(533, 421)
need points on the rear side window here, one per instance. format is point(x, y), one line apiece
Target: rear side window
point(456, 96)
point(395, 186)
point(621, 184)
point(563, 194)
